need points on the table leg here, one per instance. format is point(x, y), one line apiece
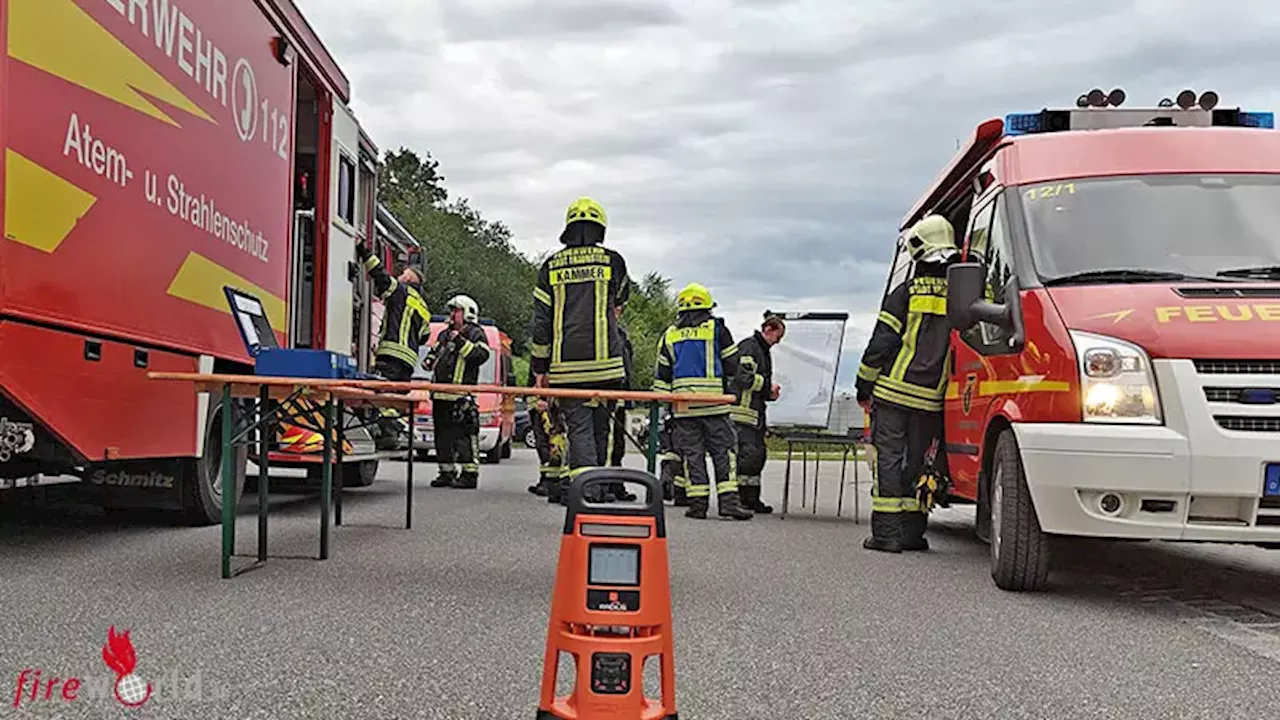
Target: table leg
point(817, 468)
point(326, 478)
point(266, 433)
point(844, 464)
point(337, 500)
point(786, 484)
point(228, 485)
point(804, 477)
point(652, 460)
point(408, 474)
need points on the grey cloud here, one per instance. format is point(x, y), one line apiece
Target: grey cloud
point(767, 148)
point(524, 19)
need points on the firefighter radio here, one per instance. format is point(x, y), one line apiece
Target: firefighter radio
point(611, 606)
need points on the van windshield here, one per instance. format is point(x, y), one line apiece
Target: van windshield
point(1162, 226)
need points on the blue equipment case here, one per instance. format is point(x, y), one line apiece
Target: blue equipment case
point(275, 361)
point(305, 363)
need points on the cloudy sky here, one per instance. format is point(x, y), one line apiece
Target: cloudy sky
point(766, 148)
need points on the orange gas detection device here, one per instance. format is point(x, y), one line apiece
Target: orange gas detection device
point(611, 607)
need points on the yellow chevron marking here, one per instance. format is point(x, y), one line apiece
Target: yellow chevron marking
point(200, 280)
point(40, 208)
point(59, 37)
point(988, 388)
point(1115, 316)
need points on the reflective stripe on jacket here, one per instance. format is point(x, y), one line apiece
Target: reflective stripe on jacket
point(575, 334)
point(406, 320)
point(905, 362)
point(757, 361)
point(697, 355)
point(456, 358)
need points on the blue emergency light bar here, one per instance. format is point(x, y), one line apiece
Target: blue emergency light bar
point(1060, 120)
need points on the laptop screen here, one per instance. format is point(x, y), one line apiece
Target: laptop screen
point(251, 319)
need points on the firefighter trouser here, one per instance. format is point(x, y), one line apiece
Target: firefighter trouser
point(392, 369)
point(618, 436)
point(901, 438)
point(696, 437)
point(587, 425)
point(457, 439)
point(389, 417)
point(551, 446)
point(671, 471)
point(751, 454)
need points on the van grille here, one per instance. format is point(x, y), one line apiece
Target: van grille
point(1233, 394)
point(1238, 367)
point(1245, 423)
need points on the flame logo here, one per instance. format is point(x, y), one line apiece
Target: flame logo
point(118, 654)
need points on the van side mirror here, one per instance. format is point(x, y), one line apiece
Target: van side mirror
point(966, 306)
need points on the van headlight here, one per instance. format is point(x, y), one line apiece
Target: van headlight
point(1117, 384)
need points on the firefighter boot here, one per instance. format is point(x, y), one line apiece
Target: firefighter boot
point(467, 480)
point(913, 527)
point(886, 533)
point(697, 507)
point(731, 507)
point(751, 500)
point(444, 479)
point(388, 433)
point(619, 492)
point(681, 497)
point(557, 491)
point(543, 488)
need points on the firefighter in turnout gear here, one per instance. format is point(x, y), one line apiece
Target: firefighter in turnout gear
point(455, 359)
point(697, 355)
point(903, 375)
point(749, 412)
point(575, 337)
point(551, 444)
point(405, 327)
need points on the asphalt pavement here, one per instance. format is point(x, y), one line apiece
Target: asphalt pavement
point(773, 618)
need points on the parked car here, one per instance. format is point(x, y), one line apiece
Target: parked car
point(524, 424)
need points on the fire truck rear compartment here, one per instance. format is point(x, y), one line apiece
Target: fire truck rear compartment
point(89, 399)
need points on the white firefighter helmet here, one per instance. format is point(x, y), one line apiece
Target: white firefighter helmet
point(932, 239)
point(470, 311)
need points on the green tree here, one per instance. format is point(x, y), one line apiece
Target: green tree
point(651, 309)
point(465, 253)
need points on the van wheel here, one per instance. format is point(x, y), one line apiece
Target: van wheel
point(506, 449)
point(493, 456)
point(202, 477)
point(361, 474)
point(1019, 549)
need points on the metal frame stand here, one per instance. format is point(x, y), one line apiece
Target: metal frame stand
point(259, 429)
point(847, 444)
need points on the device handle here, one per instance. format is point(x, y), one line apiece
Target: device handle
point(651, 506)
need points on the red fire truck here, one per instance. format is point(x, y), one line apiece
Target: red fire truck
point(1114, 367)
point(154, 153)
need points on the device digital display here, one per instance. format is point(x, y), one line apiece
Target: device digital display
point(613, 565)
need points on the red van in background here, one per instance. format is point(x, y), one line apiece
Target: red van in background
point(497, 411)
